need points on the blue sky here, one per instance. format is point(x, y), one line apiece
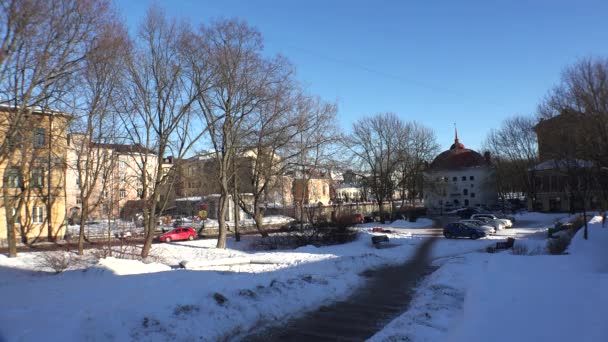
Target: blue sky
point(436, 62)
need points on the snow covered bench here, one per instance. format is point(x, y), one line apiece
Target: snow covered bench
point(378, 239)
point(505, 245)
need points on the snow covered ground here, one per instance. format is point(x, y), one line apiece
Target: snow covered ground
point(116, 300)
point(506, 297)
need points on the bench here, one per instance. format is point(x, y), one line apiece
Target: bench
point(505, 245)
point(376, 240)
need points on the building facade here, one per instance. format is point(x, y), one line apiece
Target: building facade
point(458, 178)
point(33, 165)
point(565, 175)
point(114, 174)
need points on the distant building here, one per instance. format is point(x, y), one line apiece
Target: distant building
point(563, 147)
point(119, 181)
point(457, 178)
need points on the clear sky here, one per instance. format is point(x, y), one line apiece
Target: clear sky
point(436, 62)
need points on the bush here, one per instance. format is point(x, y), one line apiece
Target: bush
point(57, 261)
point(559, 245)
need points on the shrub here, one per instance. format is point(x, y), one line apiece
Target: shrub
point(559, 245)
point(519, 249)
point(57, 261)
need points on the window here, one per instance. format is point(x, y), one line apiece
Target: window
point(464, 178)
point(472, 178)
point(14, 181)
point(78, 201)
point(15, 141)
point(472, 194)
point(17, 217)
point(465, 192)
point(37, 178)
point(323, 190)
point(37, 215)
point(472, 185)
point(122, 166)
point(39, 137)
point(454, 179)
point(466, 202)
point(123, 193)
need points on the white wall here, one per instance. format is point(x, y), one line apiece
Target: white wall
point(459, 193)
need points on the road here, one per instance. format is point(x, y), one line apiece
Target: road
point(385, 296)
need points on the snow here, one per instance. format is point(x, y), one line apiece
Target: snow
point(506, 297)
point(400, 224)
point(473, 296)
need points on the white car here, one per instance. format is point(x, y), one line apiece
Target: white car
point(488, 229)
point(505, 222)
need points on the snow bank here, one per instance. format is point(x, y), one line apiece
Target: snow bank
point(541, 298)
point(401, 224)
point(126, 267)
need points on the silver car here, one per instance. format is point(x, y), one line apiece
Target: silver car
point(487, 228)
point(505, 222)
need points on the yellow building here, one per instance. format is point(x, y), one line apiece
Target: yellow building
point(312, 191)
point(33, 164)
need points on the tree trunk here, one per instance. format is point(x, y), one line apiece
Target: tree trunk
point(221, 238)
point(237, 235)
point(149, 228)
point(10, 223)
point(380, 211)
point(259, 222)
point(83, 219)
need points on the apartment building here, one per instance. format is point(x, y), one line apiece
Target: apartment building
point(33, 163)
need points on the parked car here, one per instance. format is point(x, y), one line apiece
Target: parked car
point(458, 229)
point(488, 228)
point(506, 222)
point(498, 224)
point(464, 213)
point(177, 234)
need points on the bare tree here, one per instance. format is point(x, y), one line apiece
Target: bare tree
point(419, 149)
point(94, 122)
point(274, 128)
point(233, 80)
point(156, 108)
point(514, 150)
point(378, 143)
point(313, 147)
point(583, 92)
point(44, 44)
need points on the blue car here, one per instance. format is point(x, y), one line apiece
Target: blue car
point(459, 229)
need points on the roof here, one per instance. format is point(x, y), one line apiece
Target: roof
point(457, 157)
point(555, 164)
point(126, 148)
point(35, 110)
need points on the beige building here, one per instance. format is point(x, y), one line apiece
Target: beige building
point(34, 165)
point(312, 191)
point(115, 174)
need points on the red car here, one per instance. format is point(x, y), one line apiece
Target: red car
point(179, 233)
